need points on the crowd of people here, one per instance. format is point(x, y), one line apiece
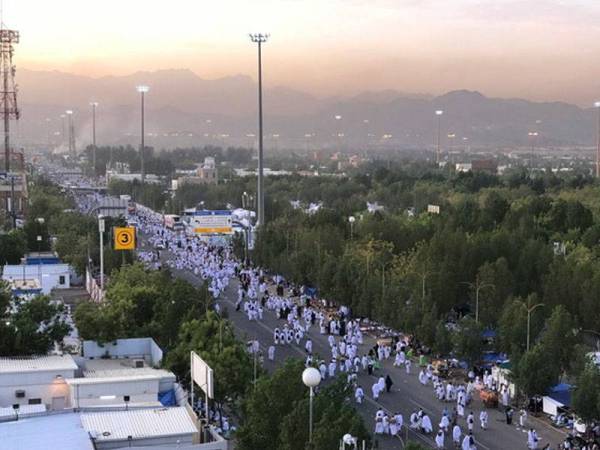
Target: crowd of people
point(303, 316)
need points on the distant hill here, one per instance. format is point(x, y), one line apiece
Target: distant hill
point(181, 101)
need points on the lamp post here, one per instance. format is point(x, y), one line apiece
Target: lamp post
point(311, 378)
point(63, 132)
point(532, 136)
point(597, 106)
point(71, 141)
point(477, 286)
point(142, 90)
point(260, 39)
point(94, 105)
point(439, 113)
point(530, 310)
point(101, 228)
point(39, 238)
point(351, 219)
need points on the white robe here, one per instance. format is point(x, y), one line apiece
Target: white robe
point(456, 432)
point(439, 439)
point(466, 443)
point(426, 424)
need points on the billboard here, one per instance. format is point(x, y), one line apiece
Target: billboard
point(202, 375)
point(207, 222)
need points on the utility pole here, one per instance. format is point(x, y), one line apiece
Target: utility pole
point(94, 105)
point(8, 95)
point(260, 39)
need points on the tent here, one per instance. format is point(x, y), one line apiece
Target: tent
point(558, 397)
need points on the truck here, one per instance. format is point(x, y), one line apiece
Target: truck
point(173, 222)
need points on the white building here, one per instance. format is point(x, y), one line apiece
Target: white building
point(49, 276)
point(36, 380)
point(133, 428)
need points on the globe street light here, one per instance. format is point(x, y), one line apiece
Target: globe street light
point(143, 90)
point(351, 219)
point(311, 378)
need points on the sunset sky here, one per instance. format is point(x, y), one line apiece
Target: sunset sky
point(537, 49)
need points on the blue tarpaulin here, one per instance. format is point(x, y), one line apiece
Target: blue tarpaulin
point(561, 393)
point(167, 398)
point(488, 334)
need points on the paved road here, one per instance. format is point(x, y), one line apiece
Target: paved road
point(407, 393)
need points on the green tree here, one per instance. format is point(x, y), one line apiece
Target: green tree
point(32, 327)
point(535, 373)
point(443, 340)
point(468, 340)
point(586, 397)
point(13, 246)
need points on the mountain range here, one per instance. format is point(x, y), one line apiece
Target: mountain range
point(184, 109)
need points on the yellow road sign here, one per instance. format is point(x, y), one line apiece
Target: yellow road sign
point(124, 238)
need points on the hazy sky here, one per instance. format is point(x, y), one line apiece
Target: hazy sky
point(538, 49)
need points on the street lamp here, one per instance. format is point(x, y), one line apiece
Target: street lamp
point(439, 113)
point(530, 310)
point(101, 228)
point(94, 105)
point(311, 378)
point(532, 136)
point(351, 219)
point(71, 141)
point(477, 286)
point(143, 90)
point(39, 238)
point(63, 124)
point(260, 39)
point(597, 106)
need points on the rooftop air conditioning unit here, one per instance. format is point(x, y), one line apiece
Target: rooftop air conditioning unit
point(20, 394)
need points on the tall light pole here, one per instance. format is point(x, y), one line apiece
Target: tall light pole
point(530, 310)
point(71, 137)
point(532, 136)
point(142, 90)
point(597, 106)
point(63, 132)
point(94, 105)
point(101, 228)
point(478, 286)
point(260, 39)
point(311, 378)
point(439, 113)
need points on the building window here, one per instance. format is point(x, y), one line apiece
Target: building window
point(35, 401)
point(61, 279)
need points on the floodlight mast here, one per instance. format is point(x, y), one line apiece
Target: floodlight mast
point(143, 90)
point(259, 38)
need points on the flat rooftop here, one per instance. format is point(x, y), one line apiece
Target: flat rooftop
point(37, 364)
point(39, 433)
point(139, 424)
